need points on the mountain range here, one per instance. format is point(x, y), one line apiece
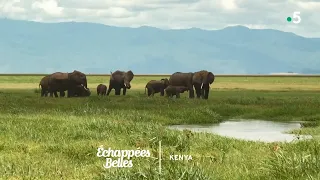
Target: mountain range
point(34, 47)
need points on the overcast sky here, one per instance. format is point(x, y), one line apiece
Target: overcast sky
point(205, 14)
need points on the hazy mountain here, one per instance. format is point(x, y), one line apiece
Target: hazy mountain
point(31, 47)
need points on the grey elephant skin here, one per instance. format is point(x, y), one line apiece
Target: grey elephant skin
point(200, 80)
point(156, 86)
point(81, 91)
point(175, 90)
point(183, 79)
point(120, 80)
point(44, 84)
point(66, 81)
point(101, 90)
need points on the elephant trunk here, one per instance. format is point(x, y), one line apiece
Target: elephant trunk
point(85, 82)
point(127, 85)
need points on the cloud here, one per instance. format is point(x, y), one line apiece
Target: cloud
point(205, 14)
point(49, 7)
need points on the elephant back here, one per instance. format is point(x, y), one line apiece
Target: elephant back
point(181, 79)
point(59, 76)
point(58, 81)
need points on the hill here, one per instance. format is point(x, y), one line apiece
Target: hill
point(32, 47)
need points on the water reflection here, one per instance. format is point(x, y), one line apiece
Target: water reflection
point(253, 130)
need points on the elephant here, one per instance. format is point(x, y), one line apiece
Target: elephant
point(200, 80)
point(81, 91)
point(119, 80)
point(101, 89)
point(156, 86)
point(45, 87)
point(66, 81)
point(175, 90)
point(183, 79)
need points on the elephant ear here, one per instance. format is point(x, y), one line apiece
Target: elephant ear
point(129, 75)
point(166, 81)
point(210, 78)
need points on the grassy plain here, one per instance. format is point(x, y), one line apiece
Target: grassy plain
point(57, 138)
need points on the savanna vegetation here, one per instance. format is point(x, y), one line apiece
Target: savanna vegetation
point(57, 138)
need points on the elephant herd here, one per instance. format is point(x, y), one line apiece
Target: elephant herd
point(75, 83)
point(180, 82)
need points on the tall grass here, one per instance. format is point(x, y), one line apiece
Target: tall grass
point(57, 138)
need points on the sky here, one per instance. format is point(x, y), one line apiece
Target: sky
point(172, 14)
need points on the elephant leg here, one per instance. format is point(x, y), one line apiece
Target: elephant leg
point(178, 95)
point(191, 93)
point(149, 92)
point(109, 90)
point(70, 93)
point(124, 91)
point(202, 92)
point(50, 93)
point(198, 90)
point(152, 92)
point(162, 92)
point(206, 91)
point(62, 93)
point(206, 95)
point(55, 94)
point(42, 92)
point(117, 91)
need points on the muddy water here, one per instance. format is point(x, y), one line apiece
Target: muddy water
point(252, 130)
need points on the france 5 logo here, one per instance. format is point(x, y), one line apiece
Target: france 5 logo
point(295, 17)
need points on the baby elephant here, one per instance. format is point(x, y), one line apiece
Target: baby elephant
point(175, 90)
point(155, 86)
point(102, 89)
point(80, 91)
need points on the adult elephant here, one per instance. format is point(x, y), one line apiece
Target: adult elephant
point(200, 80)
point(183, 79)
point(66, 81)
point(120, 80)
point(44, 84)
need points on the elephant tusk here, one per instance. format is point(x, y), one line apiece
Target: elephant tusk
point(84, 87)
point(201, 85)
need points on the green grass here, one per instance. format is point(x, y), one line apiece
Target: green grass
point(57, 138)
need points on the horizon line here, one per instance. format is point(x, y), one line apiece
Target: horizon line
point(217, 75)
